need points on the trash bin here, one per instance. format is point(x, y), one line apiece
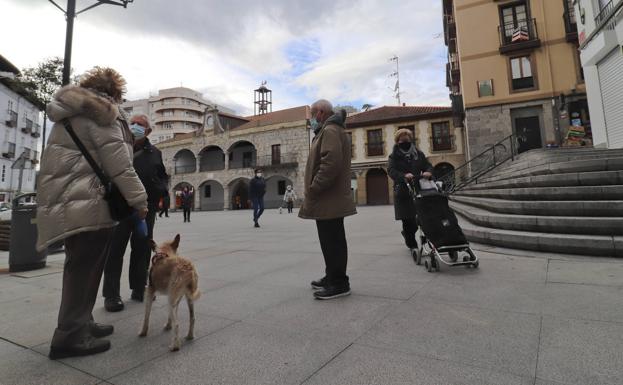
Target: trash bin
point(23, 255)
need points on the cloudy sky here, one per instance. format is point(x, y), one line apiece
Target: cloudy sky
point(335, 49)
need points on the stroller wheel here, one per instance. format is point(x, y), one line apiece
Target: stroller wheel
point(465, 258)
point(417, 256)
point(475, 264)
point(454, 256)
point(428, 266)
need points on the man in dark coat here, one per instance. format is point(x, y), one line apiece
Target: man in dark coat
point(166, 203)
point(187, 203)
point(150, 169)
point(257, 189)
point(328, 198)
point(406, 164)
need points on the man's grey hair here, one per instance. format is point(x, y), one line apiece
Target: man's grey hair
point(323, 105)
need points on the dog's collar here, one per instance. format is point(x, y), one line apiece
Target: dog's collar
point(157, 257)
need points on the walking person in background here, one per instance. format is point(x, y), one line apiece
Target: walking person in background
point(166, 203)
point(407, 164)
point(257, 189)
point(328, 198)
point(187, 203)
point(150, 169)
point(289, 197)
point(71, 203)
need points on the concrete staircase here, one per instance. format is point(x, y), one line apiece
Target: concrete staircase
point(563, 200)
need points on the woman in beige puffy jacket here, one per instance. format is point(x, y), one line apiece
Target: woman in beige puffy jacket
point(71, 205)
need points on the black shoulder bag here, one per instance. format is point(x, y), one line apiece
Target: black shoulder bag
point(118, 206)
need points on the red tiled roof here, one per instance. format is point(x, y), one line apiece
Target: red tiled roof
point(395, 113)
point(282, 116)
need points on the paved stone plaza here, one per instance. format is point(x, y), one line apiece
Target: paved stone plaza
point(522, 318)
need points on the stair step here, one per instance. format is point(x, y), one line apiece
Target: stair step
point(540, 223)
point(612, 208)
point(574, 193)
point(596, 245)
point(594, 178)
point(570, 166)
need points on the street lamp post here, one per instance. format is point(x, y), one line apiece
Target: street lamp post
point(70, 14)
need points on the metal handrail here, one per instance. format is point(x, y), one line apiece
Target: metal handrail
point(479, 165)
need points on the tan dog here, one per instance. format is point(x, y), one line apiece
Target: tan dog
point(176, 277)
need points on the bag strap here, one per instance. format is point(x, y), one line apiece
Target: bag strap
point(96, 168)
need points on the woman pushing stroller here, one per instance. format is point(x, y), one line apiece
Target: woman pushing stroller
point(407, 164)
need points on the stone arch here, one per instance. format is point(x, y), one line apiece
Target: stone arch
point(442, 168)
point(377, 187)
point(184, 162)
point(211, 158)
point(275, 188)
point(177, 192)
point(242, 154)
point(211, 196)
point(239, 194)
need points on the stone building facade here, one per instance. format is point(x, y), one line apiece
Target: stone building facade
point(372, 135)
point(218, 161)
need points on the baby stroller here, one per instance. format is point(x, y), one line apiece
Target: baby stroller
point(439, 232)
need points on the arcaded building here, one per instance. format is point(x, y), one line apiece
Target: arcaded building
point(218, 161)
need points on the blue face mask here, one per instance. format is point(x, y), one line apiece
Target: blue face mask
point(314, 124)
point(138, 131)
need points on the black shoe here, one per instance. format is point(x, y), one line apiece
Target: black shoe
point(319, 284)
point(113, 304)
point(256, 224)
point(101, 330)
point(85, 347)
point(137, 295)
point(332, 292)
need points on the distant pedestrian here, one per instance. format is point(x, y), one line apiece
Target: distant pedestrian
point(150, 169)
point(187, 203)
point(257, 189)
point(328, 197)
point(406, 165)
point(289, 198)
point(166, 203)
point(71, 200)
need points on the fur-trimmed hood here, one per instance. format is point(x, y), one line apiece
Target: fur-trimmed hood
point(72, 101)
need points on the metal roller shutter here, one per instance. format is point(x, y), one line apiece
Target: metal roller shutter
point(611, 81)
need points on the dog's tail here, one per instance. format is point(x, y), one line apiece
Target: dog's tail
point(193, 289)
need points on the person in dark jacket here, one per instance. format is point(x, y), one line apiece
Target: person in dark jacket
point(187, 203)
point(257, 189)
point(406, 164)
point(150, 169)
point(166, 203)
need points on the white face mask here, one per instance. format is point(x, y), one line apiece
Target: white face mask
point(259, 175)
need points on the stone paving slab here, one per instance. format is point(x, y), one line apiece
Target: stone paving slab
point(521, 318)
point(365, 365)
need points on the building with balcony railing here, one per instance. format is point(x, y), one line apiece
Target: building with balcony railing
point(372, 141)
point(20, 117)
point(218, 160)
point(600, 34)
point(173, 111)
point(514, 68)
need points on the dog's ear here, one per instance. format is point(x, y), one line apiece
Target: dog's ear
point(153, 245)
point(176, 242)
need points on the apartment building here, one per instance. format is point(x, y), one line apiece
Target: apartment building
point(601, 41)
point(172, 111)
point(514, 68)
point(372, 141)
point(20, 130)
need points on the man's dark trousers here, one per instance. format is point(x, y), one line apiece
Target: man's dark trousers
point(86, 255)
point(258, 208)
point(334, 249)
point(139, 256)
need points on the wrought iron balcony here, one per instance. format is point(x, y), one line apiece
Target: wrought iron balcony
point(571, 26)
point(449, 28)
point(443, 143)
point(518, 35)
point(287, 160)
point(11, 120)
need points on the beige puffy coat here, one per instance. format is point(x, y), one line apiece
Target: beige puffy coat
point(328, 174)
point(70, 196)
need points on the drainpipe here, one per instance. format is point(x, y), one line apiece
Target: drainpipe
point(551, 74)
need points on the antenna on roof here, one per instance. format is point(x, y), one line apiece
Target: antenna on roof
point(397, 75)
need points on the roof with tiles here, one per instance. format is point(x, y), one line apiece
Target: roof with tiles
point(388, 114)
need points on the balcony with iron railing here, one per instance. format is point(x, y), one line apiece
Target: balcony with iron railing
point(11, 119)
point(518, 35)
point(287, 160)
point(449, 28)
point(442, 143)
point(375, 149)
point(36, 131)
